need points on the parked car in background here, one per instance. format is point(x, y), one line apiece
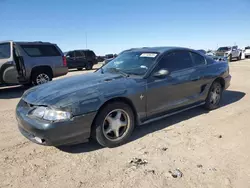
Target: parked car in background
point(229, 52)
point(100, 58)
point(247, 52)
point(80, 59)
point(30, 62)
point(137, 87)
point(109, 56)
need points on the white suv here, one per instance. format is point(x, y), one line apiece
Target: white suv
point(247, 52)
point(232, 53)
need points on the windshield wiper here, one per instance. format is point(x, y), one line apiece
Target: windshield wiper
point(119, 71)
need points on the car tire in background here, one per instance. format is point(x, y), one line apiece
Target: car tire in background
point(114, 124)
point(79, 69)
point(41, 77)
point(89, 66)
point(214, 96)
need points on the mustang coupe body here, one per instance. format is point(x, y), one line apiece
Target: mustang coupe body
point(137, 87)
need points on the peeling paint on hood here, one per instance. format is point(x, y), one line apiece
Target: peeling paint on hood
point(74, 89)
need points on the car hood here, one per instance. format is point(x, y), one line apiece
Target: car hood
point(75, 89)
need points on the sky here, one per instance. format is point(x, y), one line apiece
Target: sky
point(110, 26)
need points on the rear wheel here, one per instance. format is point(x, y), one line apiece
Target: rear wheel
point(114, 124)
point(79, 69)
point(214, 96)
point(89, 66)
point(41, 77)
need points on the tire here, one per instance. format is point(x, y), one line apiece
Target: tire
point(44, 76)
point(102, 129)
point(79, 69)
point(212, 102)
point(89, 66)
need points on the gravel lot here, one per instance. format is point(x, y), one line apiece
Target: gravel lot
point(208, 149)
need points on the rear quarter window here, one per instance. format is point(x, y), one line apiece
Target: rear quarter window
point(198, 59)
point(41, 50)
point(5, 50)
point(90, 54)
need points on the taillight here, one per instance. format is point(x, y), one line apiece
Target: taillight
point(64, 61)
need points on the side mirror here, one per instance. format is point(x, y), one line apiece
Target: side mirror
point(161, 73)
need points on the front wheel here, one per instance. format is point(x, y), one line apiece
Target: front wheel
point(214, 96)
point(230, 58)
point(114, 124)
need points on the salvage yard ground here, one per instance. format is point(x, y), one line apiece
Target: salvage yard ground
point(191, 149)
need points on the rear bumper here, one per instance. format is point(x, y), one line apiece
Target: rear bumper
point(76, 130)
point(227, 81)
point(60, 71)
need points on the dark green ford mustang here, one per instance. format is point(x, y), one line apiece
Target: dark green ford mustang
point(137, 87)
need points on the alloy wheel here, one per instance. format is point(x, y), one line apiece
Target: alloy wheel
point(42, 79)
point(215, 95)
point(116, 125)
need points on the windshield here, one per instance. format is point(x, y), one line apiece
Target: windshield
point(4, 50)
point(247, 48)
point(135, 63)
point(224, 49)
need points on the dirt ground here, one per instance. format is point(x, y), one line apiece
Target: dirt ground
point(191, 149)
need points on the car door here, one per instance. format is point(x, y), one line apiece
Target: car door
point(199, 76)
point(8, 71)
point(80, 59)
point(234, 52)
point(175, 90)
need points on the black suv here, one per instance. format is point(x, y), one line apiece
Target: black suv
point(81, 59)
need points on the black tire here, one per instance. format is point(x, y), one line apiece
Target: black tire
point(246, 57)
point(36, 74)
point(212, 104)
point(98, 129)
point(79, 69)
point(89, 66)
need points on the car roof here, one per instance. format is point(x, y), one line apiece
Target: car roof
point(34, 43)
point(156, 49)
point(86, 50)
point(23, 42)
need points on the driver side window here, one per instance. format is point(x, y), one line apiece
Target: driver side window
point(175, 61)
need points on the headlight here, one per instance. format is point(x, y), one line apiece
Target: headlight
point(50, 114)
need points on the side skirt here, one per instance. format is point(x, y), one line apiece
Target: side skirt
point(172, 113)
